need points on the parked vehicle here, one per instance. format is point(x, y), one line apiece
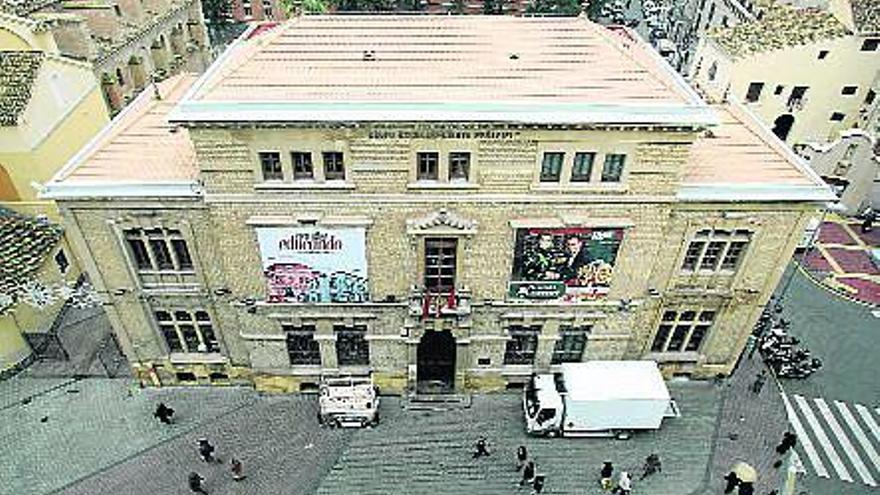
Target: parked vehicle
point(597, 398)
point(348, 402)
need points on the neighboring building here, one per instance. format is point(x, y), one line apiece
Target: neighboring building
point(127, 43)
point(509, 7)
point(549, 191)
point(802, 72)
point(257, 10)
point(32, 259)
point(850, 166)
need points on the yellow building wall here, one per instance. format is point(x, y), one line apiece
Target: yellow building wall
point(845, 65)
point(13, 348)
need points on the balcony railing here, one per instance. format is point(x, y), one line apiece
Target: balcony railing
point(425, 304)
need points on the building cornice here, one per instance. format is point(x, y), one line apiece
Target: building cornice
point(755, 192)
point(117, 190)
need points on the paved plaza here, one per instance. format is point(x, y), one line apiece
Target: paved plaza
point(841, 259)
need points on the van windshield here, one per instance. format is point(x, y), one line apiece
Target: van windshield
point(546, 415)
point(531, 396)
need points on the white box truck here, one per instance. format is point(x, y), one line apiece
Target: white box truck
point(348, 401)
point(597, 398)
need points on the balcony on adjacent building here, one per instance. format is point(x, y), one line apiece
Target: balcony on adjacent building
point(442, 304)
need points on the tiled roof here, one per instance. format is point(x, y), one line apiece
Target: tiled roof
point(449, 59)
point(780, 26)
point(25, 242)
point(866, 15)
point(18, 71)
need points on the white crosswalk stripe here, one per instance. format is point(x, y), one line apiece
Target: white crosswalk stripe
point(824, 442)
point(859, 433)
point(826, 431)
point(804, 440)
point(848, 448)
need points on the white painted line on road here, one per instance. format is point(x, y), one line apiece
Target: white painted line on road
point(804, 439)
point(824, 442)
point(859, 433)
point(866, 416)
point(848, 448)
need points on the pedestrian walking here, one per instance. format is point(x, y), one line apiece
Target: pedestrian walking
point(868, 222)
point(538, 485)
point(237, 469)
point(206, 450)
point(528, 474)
point(164, 413)
point(752, 345)
point(746, 488)
point(605, 475)
point(481, 448)
point(760, 379)
point(732, 482)
point(789, 440)
point(652, 466)
point(521, 455)
point(195, 483)
point(624, 484)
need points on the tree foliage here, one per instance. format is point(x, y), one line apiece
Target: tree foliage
point(559, 7)
point(217, 11)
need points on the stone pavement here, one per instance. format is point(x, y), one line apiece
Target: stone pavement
point(841, 259)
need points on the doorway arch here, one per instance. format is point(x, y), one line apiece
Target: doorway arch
point(435, 367)
point(782, 125)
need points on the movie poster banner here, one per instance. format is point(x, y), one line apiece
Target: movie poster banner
point(571, 264)
point(314, 264)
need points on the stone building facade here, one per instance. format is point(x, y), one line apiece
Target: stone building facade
point(453, 244)
point(129, 43)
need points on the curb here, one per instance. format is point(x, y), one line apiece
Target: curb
point(800, 267)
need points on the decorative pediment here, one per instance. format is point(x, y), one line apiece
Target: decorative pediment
point(441, 221)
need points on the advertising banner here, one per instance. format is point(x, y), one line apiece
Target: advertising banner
point(571, 264)
point(314, 264)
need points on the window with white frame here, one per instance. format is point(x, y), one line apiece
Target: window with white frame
point(248, 11)
point(334, 167)
point(551, 166)
point(582, 168)
point(302, 165)
point(682, 330)
point(270, 164)
point(716, 250)
point(427, 165)
point(522, 345)
point(187, 331)
point(158, 249)
point(571, 344)
point(302, 348)
point(267, 9)
point(459, 166)
point(613, 167)
point(352, 347)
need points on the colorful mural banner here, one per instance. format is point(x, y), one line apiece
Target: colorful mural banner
point(571, 264)
point(314, 264)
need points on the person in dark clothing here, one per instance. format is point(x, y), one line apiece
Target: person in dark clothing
point(538, 485)
point(746, 488)
point(481, 448)
point(521, 456)
point(789, 440)
point(195, 483)
point(206, 450)
point(652, 466)
point(869, 218)
point(164, 413)
point(237, 469)
point(605, 475)
point(759, 382)
point(528, 474)
point(732, 482)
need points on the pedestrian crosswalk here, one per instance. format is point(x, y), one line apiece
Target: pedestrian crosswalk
point(836, 442)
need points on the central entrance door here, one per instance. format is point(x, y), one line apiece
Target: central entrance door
point(436, 362)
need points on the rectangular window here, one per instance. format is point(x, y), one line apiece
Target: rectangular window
point(152, 249)
point(797, 95)
point(188, 332)
point(871, 45)
point(551, 166)
point(248, 12)
point(459, 166)
point(869, 97)
point(849, 90)
point(352, 347)
point(302, 348)
point(779, 89)
point(613, 168)
point(837, 117)
point(523, 344)
point(334, 168)
point(302, 165)
point(428, 165)
point(61, 261)
point(754, 92)
point(582, 168)
point(823, 54)
point(270, 163)
point(267, 9)
point(570, 347)
point(440, 259)
point(682, 331)
point(716, 250)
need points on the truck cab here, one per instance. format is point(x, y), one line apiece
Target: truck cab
point(348, 401)
point(543, 406)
